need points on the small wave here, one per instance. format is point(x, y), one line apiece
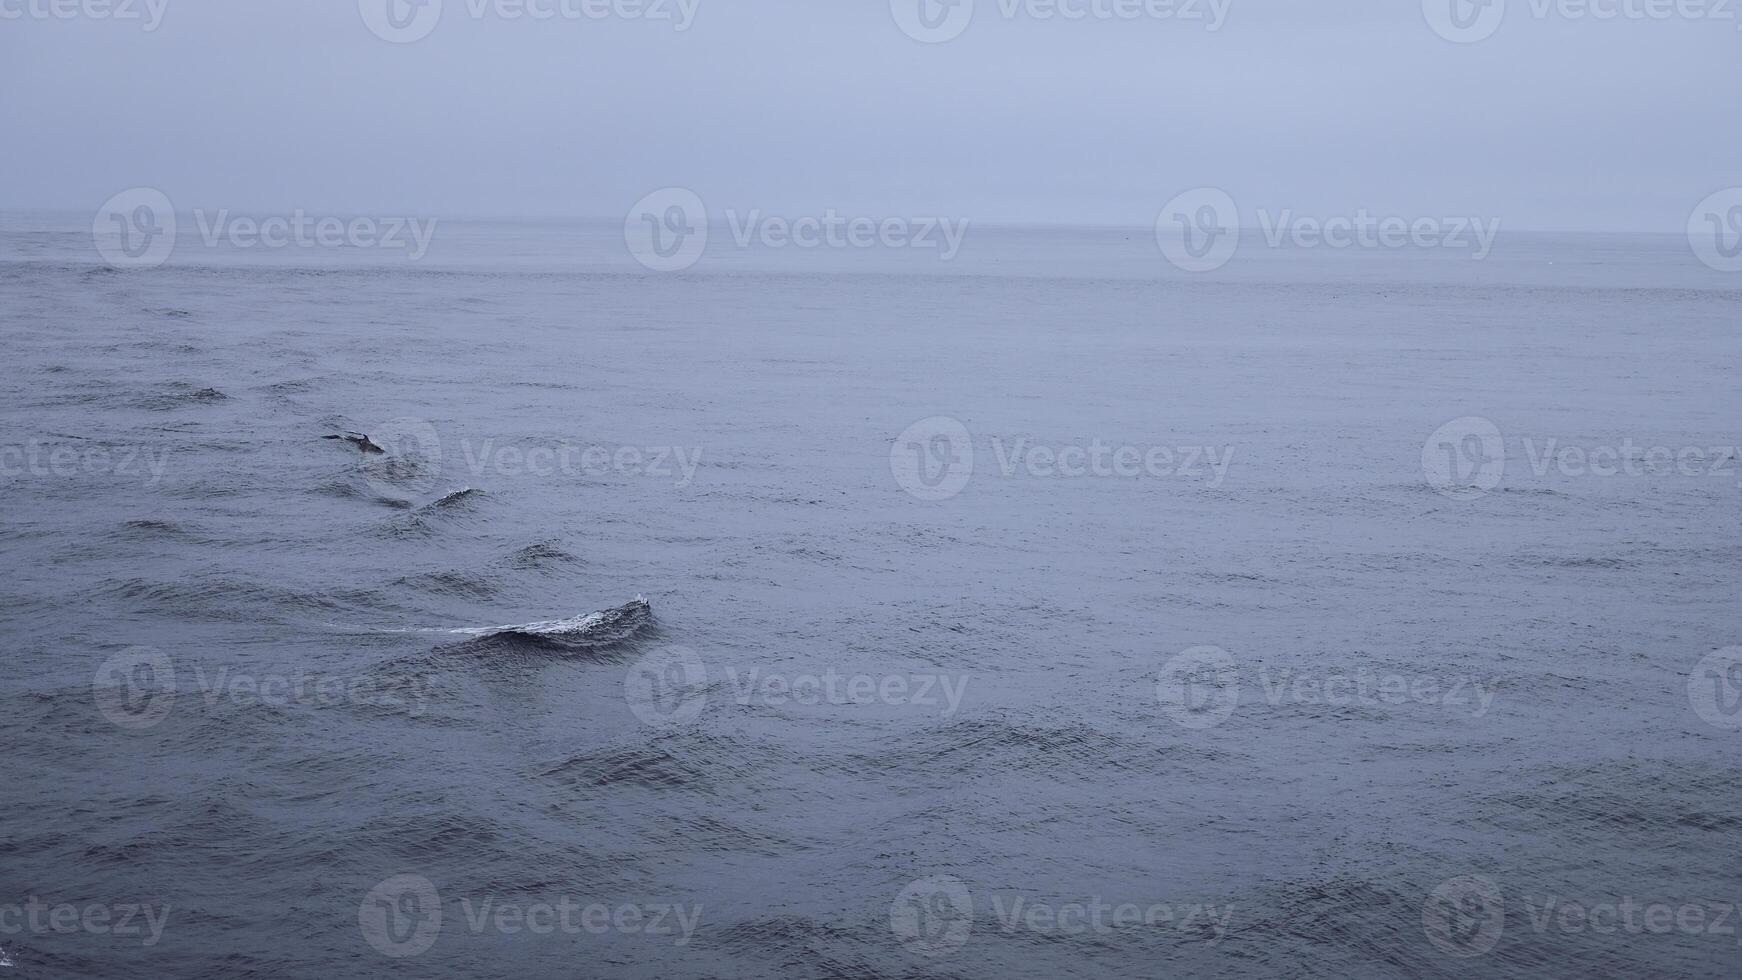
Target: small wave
point(151, 527)
point(625, 619)
point(604, 628)
point(539, 555)
point(449, 499)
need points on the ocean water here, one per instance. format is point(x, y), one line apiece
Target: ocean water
point(1261, 692)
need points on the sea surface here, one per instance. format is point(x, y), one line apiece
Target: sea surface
point(1281, 699)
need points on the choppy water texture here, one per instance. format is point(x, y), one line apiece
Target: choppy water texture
point(514, 766)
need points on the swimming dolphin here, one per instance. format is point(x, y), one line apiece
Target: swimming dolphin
point(359, 440)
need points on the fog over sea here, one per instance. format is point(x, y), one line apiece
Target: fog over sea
point(1043, 612)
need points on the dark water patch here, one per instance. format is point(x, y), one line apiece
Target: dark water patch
point(178, 395)
point(713, 832)
point(293, 386)
point(220, 598)
point(797, 945)
point(972, 747)
point(464, 585)
point(1659, 803)
point(153, 527)
point(1578, 562)
point(645, 766)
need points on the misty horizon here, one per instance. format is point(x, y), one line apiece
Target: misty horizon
point(793, 108)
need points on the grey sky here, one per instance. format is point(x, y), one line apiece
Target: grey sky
point(1559, 120)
